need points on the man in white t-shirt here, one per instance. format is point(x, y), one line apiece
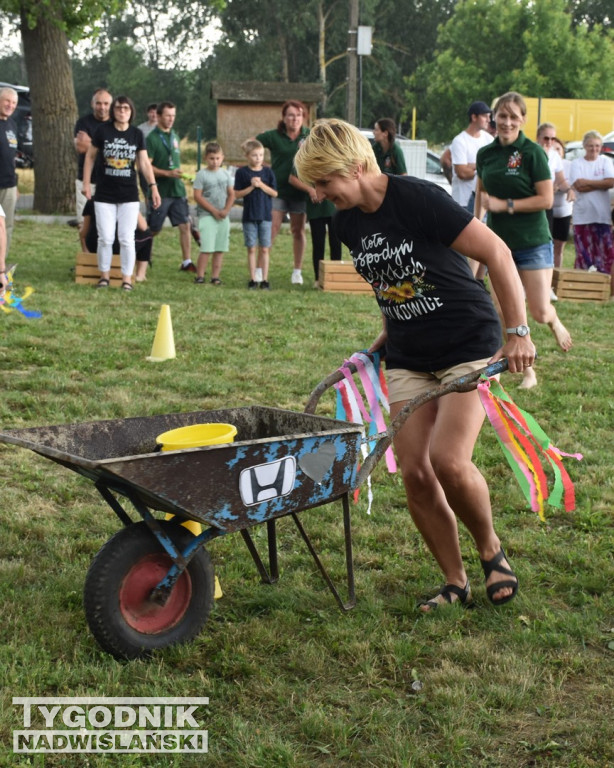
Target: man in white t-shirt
point(464, 150)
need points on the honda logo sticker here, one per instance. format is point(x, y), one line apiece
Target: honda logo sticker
point(267, 481)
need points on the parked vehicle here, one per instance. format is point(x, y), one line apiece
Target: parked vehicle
point(434, 171)
point(23, 118)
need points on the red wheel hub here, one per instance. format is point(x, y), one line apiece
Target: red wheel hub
point(141, 613)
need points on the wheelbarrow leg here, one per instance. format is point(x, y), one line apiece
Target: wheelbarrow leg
point(349, 564)
point(272, 575)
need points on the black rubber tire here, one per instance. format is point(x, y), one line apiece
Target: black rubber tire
point(124, 623)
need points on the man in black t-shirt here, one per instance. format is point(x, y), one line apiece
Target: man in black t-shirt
point(85, 127)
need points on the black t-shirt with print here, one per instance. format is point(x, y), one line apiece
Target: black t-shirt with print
point(115, 173)
point(437, 313)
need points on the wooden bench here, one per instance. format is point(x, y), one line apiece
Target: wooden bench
point(341, 276)
point(580, 285)
point(87, 272)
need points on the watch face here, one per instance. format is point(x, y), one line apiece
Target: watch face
point(522, 330)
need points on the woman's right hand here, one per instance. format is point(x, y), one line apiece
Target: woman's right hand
point(87, 190)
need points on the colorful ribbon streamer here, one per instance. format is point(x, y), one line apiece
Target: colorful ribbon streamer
point(9, 301)
point(527, 448)
point(351, 406)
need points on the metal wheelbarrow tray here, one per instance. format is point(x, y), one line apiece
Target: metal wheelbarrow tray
point(145, 592)
point(152, 584)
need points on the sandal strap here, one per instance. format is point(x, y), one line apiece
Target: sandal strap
point(488, 566)
point(447, 591)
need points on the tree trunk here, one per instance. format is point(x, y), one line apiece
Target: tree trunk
point(54, 112)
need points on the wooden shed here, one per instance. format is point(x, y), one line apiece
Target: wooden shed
point(247, 108)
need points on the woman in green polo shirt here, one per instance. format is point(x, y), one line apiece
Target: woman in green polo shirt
point(283, 143)
point(515, 187)
point(388, 153)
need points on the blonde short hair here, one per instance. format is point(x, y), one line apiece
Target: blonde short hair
point(334, 146)
point(250, 145)
point(592, 135)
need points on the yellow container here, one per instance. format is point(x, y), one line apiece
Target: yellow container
point(196, 436)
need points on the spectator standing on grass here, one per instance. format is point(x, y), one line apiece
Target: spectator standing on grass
point(88, 235)
point(388, 153)
point(320, 217)
point(562, 208)
point(411, 242)
point(3, 278)
point(8, 153)
point(85, 127)
point(464, 150)
point(116, 148)
point(283, 143)
point(214, 196)
point(515, 187)
point(255, 184)
point(591, 177)
point(165, 157)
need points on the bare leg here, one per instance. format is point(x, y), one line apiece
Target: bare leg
point(251, 262)
point(216, 265)
point(263, 262)
point(141, 271)
point(201, 267)
point(537, 284)
point(297, 228)
point(435, 446)
point(185, 240)
point(277, 218)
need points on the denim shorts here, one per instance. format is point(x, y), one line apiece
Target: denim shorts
point(257, 233)
point(538, 257)
point(287, 205)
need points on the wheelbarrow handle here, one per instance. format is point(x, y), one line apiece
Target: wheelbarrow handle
point(464, 383)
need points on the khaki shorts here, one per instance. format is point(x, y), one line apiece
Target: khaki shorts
point(403, 384)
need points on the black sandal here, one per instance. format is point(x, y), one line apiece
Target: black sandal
point(127, 286)
point(102, 283)
point(216, 281)
point(464, 596)
point(488, 566)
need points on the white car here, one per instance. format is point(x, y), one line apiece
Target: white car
point(434, 171)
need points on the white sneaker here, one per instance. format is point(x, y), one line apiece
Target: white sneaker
point(553, 296)
point(297, 277)
point(258, 275)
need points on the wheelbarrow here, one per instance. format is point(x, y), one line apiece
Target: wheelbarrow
point(152, 584)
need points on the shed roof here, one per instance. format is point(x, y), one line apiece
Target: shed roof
point(270, 92)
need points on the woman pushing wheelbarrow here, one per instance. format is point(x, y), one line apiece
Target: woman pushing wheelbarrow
point(411, 242)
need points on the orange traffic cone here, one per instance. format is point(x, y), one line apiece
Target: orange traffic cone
point(164, 345)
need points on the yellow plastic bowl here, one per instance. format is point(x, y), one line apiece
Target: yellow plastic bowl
point(196, 436)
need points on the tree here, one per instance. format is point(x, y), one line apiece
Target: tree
point(46, 28)
point(492, 46)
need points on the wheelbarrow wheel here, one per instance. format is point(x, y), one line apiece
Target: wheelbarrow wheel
point(122, 618)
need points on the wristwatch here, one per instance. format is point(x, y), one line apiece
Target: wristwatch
point(510, 206)
point(519, 330)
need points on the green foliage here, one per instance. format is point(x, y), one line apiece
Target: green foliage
point(532, 47)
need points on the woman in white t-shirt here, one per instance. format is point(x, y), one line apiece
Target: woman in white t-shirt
point(562, 208)
point(591, 177)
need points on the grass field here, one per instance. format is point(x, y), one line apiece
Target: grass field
point(293, 682)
